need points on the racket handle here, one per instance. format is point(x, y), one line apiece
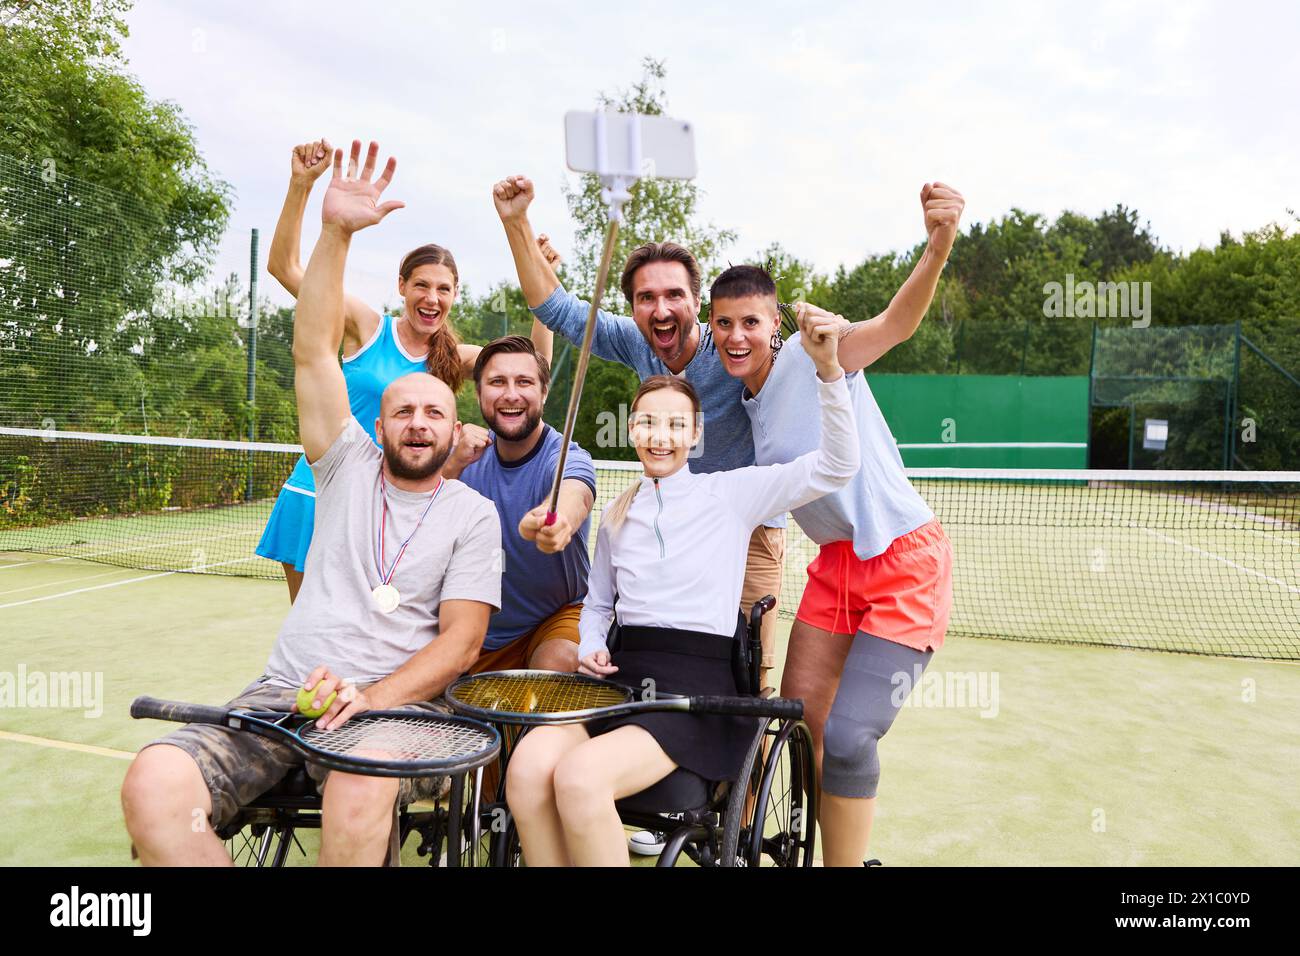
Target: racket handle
point(550, 518)
point(178, 711)
point(777, 707)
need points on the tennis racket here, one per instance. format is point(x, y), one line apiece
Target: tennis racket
point(530, 698)
point(411, 744)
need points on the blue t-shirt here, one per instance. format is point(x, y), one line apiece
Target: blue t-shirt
point(728, 438)
point(367, 372)
point(533, 585)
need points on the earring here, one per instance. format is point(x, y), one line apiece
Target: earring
point(777, 342)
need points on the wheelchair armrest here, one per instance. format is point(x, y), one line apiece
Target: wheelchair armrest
point(753, 656)
point(761, 607)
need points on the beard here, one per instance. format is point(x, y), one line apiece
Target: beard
point(400, 469)
point(530, 420)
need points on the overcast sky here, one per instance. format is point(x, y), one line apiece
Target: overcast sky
point(815, 127)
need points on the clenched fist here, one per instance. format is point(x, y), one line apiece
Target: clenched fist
point(512, 197)
point(474, 440)
point(309, 160)
point(549, 252)
point(943, 206)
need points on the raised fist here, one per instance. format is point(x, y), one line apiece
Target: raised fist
point(943, 206)
point(308, 160)
point(512, 197)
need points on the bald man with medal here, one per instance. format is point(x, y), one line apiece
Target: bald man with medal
point(404, 568)
point(401, 578)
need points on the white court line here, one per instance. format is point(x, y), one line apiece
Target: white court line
point(51, 584)
point(113, 584)
point(66, 745)
point(143, 547)
point(1220, 558)
point(149, 547)
point(1201, 551)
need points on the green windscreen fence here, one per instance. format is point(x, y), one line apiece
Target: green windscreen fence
point(986, 421)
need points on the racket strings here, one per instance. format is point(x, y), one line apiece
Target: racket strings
point(538, 694)
point(401, 738)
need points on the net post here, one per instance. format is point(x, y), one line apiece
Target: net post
point(1132, 422)
point(1092, 395)
point(251, 389)
point(1230, 431)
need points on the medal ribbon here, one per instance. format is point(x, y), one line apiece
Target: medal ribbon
point(385, 577)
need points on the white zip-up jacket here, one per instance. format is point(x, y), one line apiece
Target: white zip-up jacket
point(678, 559)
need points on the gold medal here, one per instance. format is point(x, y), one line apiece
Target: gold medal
point(386, 598)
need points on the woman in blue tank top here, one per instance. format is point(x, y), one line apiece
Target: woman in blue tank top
point(376, 349)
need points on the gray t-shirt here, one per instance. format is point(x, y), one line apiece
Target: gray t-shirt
point(455, 555)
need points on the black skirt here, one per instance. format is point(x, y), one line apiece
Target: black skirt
point(689, 663)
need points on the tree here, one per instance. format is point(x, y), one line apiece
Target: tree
point(105, 197)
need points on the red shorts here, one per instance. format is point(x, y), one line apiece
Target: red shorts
point(903, 595)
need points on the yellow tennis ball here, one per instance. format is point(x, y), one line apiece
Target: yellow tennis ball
point(305, 697)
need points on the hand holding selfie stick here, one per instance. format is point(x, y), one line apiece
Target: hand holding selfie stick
point(616, 176)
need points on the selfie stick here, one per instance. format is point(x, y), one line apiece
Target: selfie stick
point(615, 183)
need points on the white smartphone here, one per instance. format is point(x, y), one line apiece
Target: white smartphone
point(667, 145)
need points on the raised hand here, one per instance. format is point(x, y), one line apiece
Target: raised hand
point(943, 206)
point(512, 197)
point(308, 160)
point(352, 200)
point(469, 448)
point(549, 252)
point(820, 338)
point(822, 315)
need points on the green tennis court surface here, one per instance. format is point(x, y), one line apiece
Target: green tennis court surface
point(1087, 756)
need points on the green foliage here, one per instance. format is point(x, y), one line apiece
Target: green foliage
point(104, 199)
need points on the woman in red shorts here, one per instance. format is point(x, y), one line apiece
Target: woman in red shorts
point(879, 593)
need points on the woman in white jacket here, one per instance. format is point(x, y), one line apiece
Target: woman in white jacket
point(672, 549)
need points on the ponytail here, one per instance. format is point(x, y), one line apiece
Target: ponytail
point(614, 513)
point(444, 357)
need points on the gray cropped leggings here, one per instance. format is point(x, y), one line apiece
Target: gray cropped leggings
point(878, 676)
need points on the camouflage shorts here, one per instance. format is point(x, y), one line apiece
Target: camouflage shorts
point(239, 766)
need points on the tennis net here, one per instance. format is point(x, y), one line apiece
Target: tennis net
point(1200, 562)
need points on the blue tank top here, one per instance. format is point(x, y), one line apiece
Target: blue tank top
point(368, 371)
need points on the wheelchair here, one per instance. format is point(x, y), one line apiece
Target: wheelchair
point(264, 833)
point(767, 816)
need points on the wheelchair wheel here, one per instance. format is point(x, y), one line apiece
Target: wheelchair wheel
point(468, 818)
point(784, 825)
point(505, 851)
point(263, 843)
point(734, 820)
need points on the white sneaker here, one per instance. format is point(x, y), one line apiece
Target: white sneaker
point(646, 843)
